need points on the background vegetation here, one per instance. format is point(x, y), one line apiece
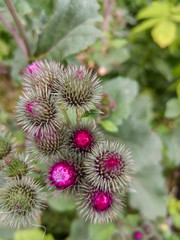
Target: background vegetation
point(135, 48)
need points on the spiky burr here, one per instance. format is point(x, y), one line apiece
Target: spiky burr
point(82, 137)
point(110, 166)
point(45, 147)
point(17, 166)
point(79, 89)
point(38, 112)
point(64, 175)
point(21, 201)
point(98, 205)
point(6, 144)
point(42, 74)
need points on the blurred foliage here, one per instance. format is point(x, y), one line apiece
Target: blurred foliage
point(137, 57)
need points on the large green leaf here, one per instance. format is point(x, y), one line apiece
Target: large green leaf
point(101, 232)
point(155, 10)
point(32, 234)
point(164, 33)
point(6, 233)
point(123, 91)
point(70, 30)
point(173, 108)
point(147, 24)
point(61, 205)
point(79, 230)
point(151, 194)
point(145, 144)
point(172, 143)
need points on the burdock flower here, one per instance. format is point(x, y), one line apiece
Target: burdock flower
point(37, 112)
point(138, 234)
point(17, 165)
point(78, 88)
point(83, 137)
point(46, 146)
point(109, 166)
point(21, 202)
point(6, 145)
point(64, 175)
point(99, 205)
point(41, 74)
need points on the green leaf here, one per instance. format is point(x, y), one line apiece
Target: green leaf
point(61, 205)
point(172, 143)
point(6, 233)
point(79, 230)
point(156, 9)
point(172, 108)
point(151, 194)
point(101, 232)
point(142, 108)
point(123, 91)
point(71, 29)
point(145, 25)
point(109, 126)
point(32, 234)
point(178, 91)
point(164, 33)
point(145, 145)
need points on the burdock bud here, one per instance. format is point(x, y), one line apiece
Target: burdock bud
point(138, 235)
point(109, 166)
point(42, 74)
point(6, 145)
point(37, 112)
point(21, 202)
point(83, 137)
point(46, 146)
point(98, 205)
point(148, 228)
point(64, 175)
point(78, 88)
point(17, 165)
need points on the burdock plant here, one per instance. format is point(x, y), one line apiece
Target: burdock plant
point(77, 158)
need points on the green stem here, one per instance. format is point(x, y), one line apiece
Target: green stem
point(78, 115)
point(66, 116)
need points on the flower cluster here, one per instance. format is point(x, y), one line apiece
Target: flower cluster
point(78, 159)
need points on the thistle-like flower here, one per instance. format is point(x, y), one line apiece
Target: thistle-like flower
point(83, 137)
point(64, 175)
point(78, 88)
point(21, 202)
point(42, 74)
point(17, 165)
point(6, 145)
point(37, 112)
point(109, 166)
point(45, 147)
point(98, 205)
point(138, 234)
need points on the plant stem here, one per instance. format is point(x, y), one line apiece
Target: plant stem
point(66, 116)
point(78, 115)
point(13, 32)
point(18, 23)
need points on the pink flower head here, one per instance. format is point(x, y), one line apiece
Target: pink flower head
point(138, 235)
point(101, 201)
point(62, 175)
point(34, 67)
point(83, 140)
point(112, 162)
point(32, 108)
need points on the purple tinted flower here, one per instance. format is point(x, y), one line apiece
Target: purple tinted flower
point(34, 67)
point(62, 175)
point(138, 235)
point(111, 163)
point(99, 205)
point(101, 201)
